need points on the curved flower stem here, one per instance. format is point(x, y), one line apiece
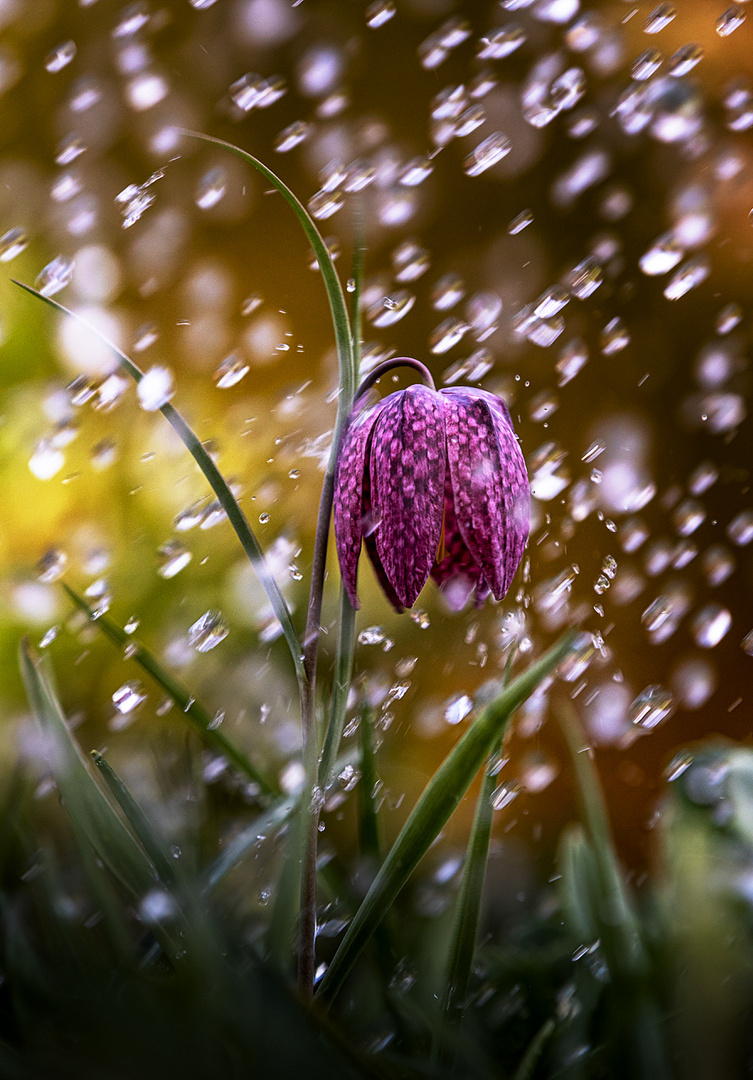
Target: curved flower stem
point(387, 365)
point(316, 777)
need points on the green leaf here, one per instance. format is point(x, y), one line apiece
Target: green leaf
point(433, 809)
point(185, 701)
point(214, 477)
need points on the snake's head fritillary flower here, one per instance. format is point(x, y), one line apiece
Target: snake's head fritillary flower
point(434, 484)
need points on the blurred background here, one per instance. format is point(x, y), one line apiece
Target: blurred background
point(555, 200)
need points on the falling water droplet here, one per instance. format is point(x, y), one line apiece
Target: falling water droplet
point(60, 57)
point(211, 188)
point(173, 557)
point(487, 153)
point(652, 705)
point(128, 697)
point(155, 388)
point(208, 631)
point(730, 20)
point(55, 276)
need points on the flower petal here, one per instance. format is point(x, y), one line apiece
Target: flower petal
point(407, 471)
point(456, 573)
point(349, 493)
point(489, 483)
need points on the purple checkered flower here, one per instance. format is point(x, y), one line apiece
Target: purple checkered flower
point(434, 484)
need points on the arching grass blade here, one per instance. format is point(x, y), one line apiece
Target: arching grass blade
point(433, 809)
point(185, 701)
point(214, 477)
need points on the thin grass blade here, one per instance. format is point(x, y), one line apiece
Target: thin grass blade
point(433, 809)
point(93, 816)
point(468, 907)
point(185, 701)
point(214, 477)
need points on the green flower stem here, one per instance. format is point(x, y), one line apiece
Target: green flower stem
point(185, 701)
point(217, 482)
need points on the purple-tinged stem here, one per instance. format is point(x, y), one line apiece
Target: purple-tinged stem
point(387, 365)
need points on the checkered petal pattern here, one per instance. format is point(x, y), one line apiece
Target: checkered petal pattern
point(351, 504)
point(490, 491)
point(407, 473)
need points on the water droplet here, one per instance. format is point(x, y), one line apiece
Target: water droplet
point(325, 203)
point(211, 188)
point(60, 57)
point(379, 12)
point(52, 565)
point(487, 154)
point(391, 309)
point(684, 60)
point(710, 624)
point(46, 461)
point(457, 708)
point(501, 42)
point(12, 243)
point(660, 17)
point(577, 661)
point(156, 907)
point(128, 697)
point(691, 274)
point(688, 516)
point(571, 359)
point(291, 136)
point(520, 221)
point(173, 557)
point(662, 256)
point(718, 564)
point(679, 764)
point(420, 618)
point(263, 519)
point(740, 529)
point(251, 303)
point(447, 292)
point(55, 276)
point(445, 336)
point(156, 388)
point(730, 20)
point(614, 337)
point(503, 795)
point(747, 643)
point(585, 278)
point(372, 635)
point(208, 631)
point(646, 65)
point(230, 372)
point(652, 705)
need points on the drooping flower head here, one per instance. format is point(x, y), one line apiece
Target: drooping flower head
point(433, 483)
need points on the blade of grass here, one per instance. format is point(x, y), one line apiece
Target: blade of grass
point(434, 807)
point(185, 701)
point(274, 817)
point(92, 814)
point(214, 477)
point(530, 1059)
point(637, 1028)
point(137, 820)
point(468, 907)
